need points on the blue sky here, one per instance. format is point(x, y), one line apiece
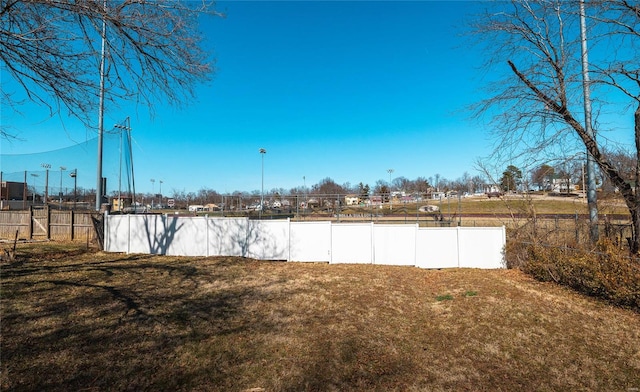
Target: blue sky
point(344, 90)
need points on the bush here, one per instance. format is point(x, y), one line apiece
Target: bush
point(605, 273)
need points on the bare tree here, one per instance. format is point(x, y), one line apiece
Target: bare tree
point(537, 43)
point(53, 50)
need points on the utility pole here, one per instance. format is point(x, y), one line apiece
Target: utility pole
point(74, 174)
point(126, 127)
point(592, 201)
point(153, 189)
point(262, 152)
point(99, 190)
point(390, 200)
point(62, 168)
point(46, 166)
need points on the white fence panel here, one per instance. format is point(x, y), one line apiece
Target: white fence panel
point(481, 247)
point(310, 241)
point(352, 243)
point(116, 233)
point(271, 239)
point(142, 234)
point(183, 236)
point(394, 244)
point(307, 241)
point(228, 236)
point(437, 247)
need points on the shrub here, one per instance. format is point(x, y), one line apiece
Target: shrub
point(606, 273)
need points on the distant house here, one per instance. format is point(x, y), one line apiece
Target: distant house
point(563, 185)
point(196, 208)
point(438, 195)
point(351, 200)
point(375, 200)
point(408, 199)
point(120, 203)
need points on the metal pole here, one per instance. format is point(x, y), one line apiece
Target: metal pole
point(592, 201)
point(46, 166)
point(153, 189)
point(262, 152)
point(25, 190)
point(46, 186)
point(390, 200)
point(99, 189)
point(75, 187)
point(62, 168)
point(33, 196)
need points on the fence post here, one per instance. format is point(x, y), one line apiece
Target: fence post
point(25, 190)
point(30, 225)
point(458, 245)
point(206, 229)
point(71, 224)
point(48, 211)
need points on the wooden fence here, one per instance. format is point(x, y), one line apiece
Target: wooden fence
point(45, 223)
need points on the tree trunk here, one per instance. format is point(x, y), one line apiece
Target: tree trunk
point(634, 204)
point(630, 194)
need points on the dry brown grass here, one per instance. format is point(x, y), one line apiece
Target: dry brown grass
point(98, 321)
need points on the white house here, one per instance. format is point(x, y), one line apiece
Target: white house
point(351, 200)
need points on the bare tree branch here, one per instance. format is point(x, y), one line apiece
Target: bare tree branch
point(532, 38)
point(52, 49)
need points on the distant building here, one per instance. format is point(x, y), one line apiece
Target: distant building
point(438, 195)
point(374, 200)
point(120, 203)
point(351, 200)
point(563, 185)
point(12, 190)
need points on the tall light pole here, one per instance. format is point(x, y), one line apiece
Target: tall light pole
point(390, 199)
point(153, 188)
point(99, 183)
point(62, 168)
point(74, 175)
point(262, 152)
point(46, 166)
point(592, 201)
point(160, 193)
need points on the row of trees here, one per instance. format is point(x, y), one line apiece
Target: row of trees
point(512, 179)
point(572, 171)
point(327, 186)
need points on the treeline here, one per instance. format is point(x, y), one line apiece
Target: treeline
point(327, 186)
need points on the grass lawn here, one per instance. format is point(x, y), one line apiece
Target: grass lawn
point(93, 321)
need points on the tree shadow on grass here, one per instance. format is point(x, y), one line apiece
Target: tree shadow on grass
point(140, 322)
point(121, 324)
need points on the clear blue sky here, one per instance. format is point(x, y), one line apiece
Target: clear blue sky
point(335, 89)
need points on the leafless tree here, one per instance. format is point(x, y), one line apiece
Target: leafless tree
point(153, 51)
point(539, 102)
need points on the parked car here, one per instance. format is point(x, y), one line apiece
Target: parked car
point(494, 194)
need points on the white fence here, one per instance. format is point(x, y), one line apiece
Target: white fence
point(366, 243)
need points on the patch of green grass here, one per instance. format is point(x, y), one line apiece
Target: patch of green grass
point(445, 297)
